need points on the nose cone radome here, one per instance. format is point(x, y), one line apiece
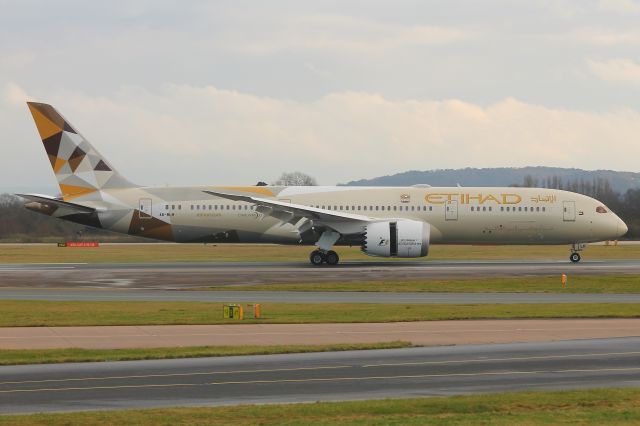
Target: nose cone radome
point(622, 228)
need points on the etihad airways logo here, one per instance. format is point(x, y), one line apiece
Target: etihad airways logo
point(467, 198)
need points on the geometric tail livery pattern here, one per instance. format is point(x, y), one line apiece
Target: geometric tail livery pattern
point(78, 166)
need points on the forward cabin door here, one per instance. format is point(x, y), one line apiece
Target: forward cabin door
point(451, 210)
point(145, 210)
point(569, 211)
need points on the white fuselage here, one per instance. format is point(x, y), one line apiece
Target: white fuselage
point(456, 215)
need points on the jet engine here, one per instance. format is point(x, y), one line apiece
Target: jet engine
point(397, 238)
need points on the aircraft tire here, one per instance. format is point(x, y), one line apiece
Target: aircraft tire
point(317, 258)
point(332, 258)
point(575, 257)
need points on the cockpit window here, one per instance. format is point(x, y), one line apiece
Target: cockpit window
point(600, 209)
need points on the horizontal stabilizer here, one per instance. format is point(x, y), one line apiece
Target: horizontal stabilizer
point(51, 205)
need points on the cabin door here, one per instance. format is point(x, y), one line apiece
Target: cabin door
point(145, 211)
point(451, 210)
point(569, 211)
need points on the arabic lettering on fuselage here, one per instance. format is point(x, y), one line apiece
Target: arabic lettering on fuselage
point(480, 198)
point(544, 199)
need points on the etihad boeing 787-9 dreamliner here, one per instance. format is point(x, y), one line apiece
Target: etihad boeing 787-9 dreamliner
point(385, 221)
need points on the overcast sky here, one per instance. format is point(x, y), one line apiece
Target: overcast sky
point(232, 92)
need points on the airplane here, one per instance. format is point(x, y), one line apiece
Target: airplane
point(399, 222)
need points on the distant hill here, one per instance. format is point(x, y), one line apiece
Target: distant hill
point(502, 176)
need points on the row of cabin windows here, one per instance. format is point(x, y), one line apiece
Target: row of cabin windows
point(354, 208)
point(510, 209)
point(376, 208)
point(526, 209)
point(222, 207)
point(340, 208)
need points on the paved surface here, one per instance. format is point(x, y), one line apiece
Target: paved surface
point(310, 297)
point(322, 376)
point(184, 275)
point(428, 333)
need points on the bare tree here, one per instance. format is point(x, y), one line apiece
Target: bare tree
point(295, 179)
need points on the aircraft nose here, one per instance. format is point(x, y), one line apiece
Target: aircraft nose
point(622, 227)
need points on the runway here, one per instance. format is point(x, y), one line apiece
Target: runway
point(110, 294)
point(332, 376)
point(189, 275)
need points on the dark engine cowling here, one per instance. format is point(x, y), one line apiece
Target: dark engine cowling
point(397, 238)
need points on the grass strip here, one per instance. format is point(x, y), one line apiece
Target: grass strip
point(159, 253)
point(19, 313)
point(548, 284)
point(584, 407)
point(54, 356)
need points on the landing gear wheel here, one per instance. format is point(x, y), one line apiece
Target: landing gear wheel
point(316, 257)
point(332, 258)
point(575, 257)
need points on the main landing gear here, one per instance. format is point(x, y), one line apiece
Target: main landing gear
point(575, 255)
point(323, 254)
point(318, 257)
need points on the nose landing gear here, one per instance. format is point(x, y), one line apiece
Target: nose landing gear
point(575, 255)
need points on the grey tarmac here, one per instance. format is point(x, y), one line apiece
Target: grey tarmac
point(333, 376)
point(110, 294)
point(188, 275)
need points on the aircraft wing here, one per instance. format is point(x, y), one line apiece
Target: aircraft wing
point(55, 205)
point(301, 216)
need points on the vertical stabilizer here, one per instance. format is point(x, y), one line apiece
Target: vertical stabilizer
point(78, 166)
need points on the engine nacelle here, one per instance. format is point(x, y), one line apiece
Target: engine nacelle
point(397, 238)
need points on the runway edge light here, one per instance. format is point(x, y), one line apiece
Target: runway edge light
point(563, 280)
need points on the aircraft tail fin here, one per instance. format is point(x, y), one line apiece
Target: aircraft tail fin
point(78, 166)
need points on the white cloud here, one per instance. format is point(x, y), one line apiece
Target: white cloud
point(15, 95)
point(17, 60)
point(620, 6)
point(186, 134)
point(616, 70)
point(601, 37)
point(340, 33)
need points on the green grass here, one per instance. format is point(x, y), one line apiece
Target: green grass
point(12, 253)
point(583, 407)
point(51, 313)
point(52, 356)
point(527, 284)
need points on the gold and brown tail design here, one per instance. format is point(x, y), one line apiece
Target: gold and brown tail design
point(79, 168)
